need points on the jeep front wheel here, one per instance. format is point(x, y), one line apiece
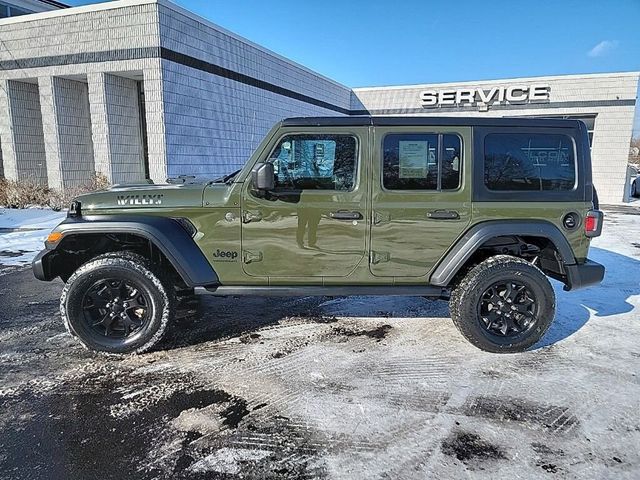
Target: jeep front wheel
point(117, 303)
point(503, 305)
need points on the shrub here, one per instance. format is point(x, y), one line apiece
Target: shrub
point(28, 193)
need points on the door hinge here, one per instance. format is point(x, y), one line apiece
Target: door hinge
point(250, 257)
point(379, 257)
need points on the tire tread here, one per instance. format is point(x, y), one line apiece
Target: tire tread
point(143, 266)
point(464, 319)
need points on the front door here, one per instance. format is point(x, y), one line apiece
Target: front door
point(315, 222)
point(421, 197)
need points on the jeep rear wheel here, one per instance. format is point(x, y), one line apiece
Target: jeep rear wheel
point(117, 303)
point(504, 304)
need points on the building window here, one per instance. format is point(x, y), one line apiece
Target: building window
point(11, 11)
point(18, 11)
point(316, 162)
point(589, 120)
point(421, 161)
point(529, 161)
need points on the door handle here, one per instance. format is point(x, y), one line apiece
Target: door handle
point(346, 215)
point(249, 217)
point(443, 215)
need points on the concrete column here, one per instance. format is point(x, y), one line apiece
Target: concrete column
point(67, 132)
point(156, 131)
point(125, 134)
point(21, 132)
point(115, 119)
point(1, 163)
point(6, 134)
point(99, 125)
point(50, 132)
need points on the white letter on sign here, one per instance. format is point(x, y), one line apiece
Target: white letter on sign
point(447, 97)
point(517, 98)
point(465, 96)
point(538, 92)
point(429, 98)
point(486, 97)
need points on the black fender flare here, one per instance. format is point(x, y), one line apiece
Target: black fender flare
point(165, 233)
point(477, 235)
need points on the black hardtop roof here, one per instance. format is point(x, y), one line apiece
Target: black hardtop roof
point(363, 120)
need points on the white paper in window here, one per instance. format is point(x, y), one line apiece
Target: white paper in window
point(413, 158)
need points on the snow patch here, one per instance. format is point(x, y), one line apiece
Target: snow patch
point(228, 460)
point(23, 232)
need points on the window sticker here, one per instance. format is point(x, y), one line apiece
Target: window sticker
point(413, 159)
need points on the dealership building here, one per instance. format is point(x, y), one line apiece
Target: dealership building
point(137, 89)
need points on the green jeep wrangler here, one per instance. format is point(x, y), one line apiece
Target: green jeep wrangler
point(479, 211)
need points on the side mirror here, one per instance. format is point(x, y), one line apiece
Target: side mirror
point(263, 177)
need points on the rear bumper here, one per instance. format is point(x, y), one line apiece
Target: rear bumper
point(583, 275)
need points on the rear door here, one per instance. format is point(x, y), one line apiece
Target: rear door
point(421, 197)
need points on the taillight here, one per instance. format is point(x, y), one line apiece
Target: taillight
point(593, 223)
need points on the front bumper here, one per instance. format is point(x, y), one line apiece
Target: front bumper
point(583, 275)
point(41, 266)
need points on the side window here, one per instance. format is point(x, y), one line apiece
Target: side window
point(451, 156)
point(319, 162)
point(420, 161)
point(529, 161)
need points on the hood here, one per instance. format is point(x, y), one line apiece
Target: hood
point(143, 196)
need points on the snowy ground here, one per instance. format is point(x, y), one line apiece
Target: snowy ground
point(22, 233)
point(340, 388)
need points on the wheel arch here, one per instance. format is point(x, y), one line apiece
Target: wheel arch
point(478, 235)
point(165, 234)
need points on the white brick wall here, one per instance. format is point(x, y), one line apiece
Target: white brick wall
point(67, 129)
point(213, 123)
point(99, 125)
point(154, 115)
point(95, 28)
point(6, 133)
point(67, 32)
point(123, 123)
point(25, 159)
point(1, 163)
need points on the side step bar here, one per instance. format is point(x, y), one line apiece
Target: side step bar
point(328, 291)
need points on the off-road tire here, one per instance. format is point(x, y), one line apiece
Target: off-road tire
point(135, 268)
point(467, 296)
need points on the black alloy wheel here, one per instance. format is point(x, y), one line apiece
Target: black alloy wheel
point(507, 309)
point(115, 307)
point(504, 304)
point(118, 302)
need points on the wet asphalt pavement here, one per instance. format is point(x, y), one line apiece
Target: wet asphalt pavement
point(324, 388)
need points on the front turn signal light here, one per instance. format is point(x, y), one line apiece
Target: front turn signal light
point(54, 237)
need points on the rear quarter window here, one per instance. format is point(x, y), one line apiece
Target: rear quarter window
point(529, 162)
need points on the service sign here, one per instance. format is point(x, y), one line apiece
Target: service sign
point(499, 95)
